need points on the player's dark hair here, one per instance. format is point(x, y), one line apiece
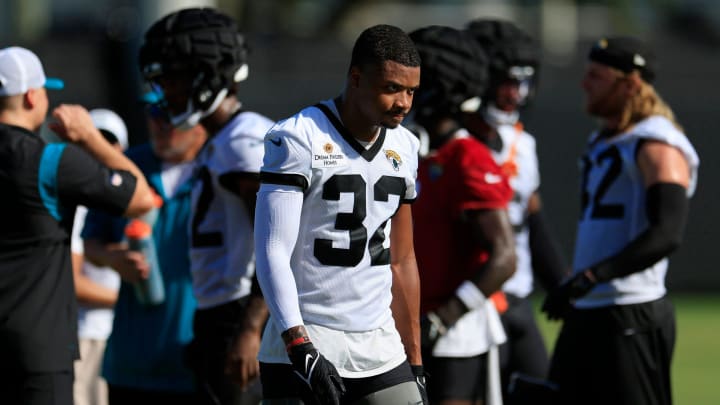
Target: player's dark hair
point(382, 43)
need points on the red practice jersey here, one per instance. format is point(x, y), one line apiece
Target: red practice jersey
point(462, 176)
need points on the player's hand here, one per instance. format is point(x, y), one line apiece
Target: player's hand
point(130, 265)
point(432, 328)
point(558, 302)
point(73, 123)
point(419, 373)
point(241, 364)
point(318, 373)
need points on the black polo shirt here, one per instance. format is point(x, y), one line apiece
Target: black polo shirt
point(40, 186)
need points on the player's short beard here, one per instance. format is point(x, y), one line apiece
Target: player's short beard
point(389, 126)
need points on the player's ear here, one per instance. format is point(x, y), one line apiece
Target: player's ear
point(634, 82)
point(30, 98)
point(354, 77)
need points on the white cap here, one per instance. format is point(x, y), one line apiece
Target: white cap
point(21, 70)
point(106, 120)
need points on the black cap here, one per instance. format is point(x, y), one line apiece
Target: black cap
point(626, 54)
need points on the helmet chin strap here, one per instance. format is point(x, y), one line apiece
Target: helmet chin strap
point(192, 117)
point(496, 117)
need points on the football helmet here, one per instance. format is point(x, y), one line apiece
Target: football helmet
point(513, 55)
point(204, 45)
point(454, 72)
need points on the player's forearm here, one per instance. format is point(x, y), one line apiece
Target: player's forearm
point(94, 294)
point(87, 291)
point(405, 303)
point(100, 253)
point(277, 220)
point(492, 232)
point(499, 267)
point(667, 209)
point(256, 313)
point(406, 308)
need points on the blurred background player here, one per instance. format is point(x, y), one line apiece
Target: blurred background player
point(463, 236)
point(196, 58)
point(144, 359)
point(342, 287)
point(96, 288)
point(639, 170)
point(43, 184)
point(514, 67)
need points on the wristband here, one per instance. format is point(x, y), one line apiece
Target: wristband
point(417, 370)
point(470, 295)
point(296, 342)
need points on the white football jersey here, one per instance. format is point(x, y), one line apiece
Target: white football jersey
point(518, 158)
point(221, 233)
point(613, 209)
point(341, 260)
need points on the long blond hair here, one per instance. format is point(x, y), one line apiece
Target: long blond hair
point(645, 103)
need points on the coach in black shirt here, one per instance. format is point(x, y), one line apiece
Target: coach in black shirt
point(41, 185)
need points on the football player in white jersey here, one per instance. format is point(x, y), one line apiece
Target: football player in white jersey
point(515, 60)
point(638, 172)
point(195, 59)
point(334, 242)
point(463, 236)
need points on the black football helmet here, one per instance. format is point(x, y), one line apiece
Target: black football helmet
point(454, 72)
point(202, 43)
point(513, 55)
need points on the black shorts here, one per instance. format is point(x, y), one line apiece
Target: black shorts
point(279, 381)
point(616, 355)
point(456, 378)
point(524, 351)
point(214, 330)
point(118, 395)
point(42, 388)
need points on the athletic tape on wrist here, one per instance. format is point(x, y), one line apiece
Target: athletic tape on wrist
point(470, 295)
point(296, 342)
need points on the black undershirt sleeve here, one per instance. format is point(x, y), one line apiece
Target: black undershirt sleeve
point(549, 265)
point(667, 210)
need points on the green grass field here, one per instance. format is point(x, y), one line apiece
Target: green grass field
point(696, 363)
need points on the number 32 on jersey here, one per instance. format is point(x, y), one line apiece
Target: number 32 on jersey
point(352, 222)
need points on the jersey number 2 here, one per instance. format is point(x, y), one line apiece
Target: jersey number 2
point(353, 221)
point(600, 209)
point(204, 239)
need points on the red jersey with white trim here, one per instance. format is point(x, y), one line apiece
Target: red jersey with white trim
point(461, 176)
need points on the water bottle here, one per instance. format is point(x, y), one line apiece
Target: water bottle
point(151, 216)
point(148, 291)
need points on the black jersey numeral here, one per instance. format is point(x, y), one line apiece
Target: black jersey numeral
point(598, 208)
point(353, 221)
point(204, 239)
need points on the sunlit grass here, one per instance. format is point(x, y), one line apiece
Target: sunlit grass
point(696, 363)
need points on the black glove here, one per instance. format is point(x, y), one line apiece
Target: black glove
point(432, 328)
point(318, 373)
point(419, 373)
point(558, 302)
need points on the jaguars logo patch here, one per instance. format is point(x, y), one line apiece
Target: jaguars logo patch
point(394, 159)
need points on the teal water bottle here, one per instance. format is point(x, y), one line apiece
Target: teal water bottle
point(150, 291)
